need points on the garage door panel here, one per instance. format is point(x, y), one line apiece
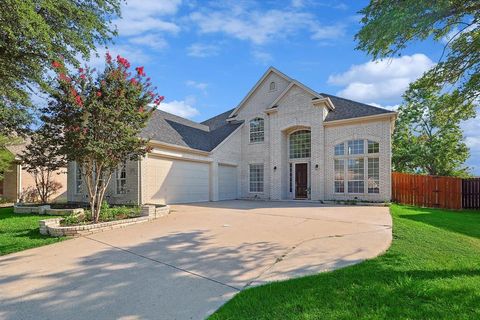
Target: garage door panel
point(227, 182)
point(177, 181)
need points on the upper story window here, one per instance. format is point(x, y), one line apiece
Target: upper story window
point(300, 144)
point(257, 130)
point(340, 149)
point(373, 147)
point(272, 86)
point(356, 147)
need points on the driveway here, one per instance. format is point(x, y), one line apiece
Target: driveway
point(186, 265)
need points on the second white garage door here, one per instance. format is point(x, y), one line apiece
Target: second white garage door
point(177, 181)
point(227, 182)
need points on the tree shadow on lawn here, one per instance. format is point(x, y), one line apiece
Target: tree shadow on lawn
point(464, 222)
point(370, 290)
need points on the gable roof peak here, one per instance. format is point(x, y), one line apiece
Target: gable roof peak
point(270, 70)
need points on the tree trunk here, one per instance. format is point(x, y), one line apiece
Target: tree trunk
point(96, 191)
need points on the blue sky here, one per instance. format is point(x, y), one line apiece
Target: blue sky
point(204, 56)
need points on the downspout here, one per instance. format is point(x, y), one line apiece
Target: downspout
point(19, 182)
point(139, 189)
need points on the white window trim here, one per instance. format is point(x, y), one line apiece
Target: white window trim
point(306, 159)
point(263, 180)
point(118, 178)
point(270, 86)
point(250, 131)
point(365, 157)
point(77, 192)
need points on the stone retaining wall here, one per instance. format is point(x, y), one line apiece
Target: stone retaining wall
point(46, 209)
point(52, 226)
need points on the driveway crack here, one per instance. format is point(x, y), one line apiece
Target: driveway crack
point(298, 244)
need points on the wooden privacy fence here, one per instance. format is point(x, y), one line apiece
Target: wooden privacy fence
point(427, 191)
point(471, 193)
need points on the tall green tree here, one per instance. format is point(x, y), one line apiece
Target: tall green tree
point(43, 161)
point(6, 157)
point(427, 137)
point(96, 119)
point(390, 25)
point(32, 34)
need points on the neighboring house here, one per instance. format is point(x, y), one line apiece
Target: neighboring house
point(283, 141)
point(17, 180)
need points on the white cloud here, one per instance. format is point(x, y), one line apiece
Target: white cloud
point(455, 32)
point(201, 50)
point(151, 40)
point(329, 32)
point(144, 20)
point(473, 142)
point(142, 8)
point(135, 27)
point(247, 22)
point(262, 57)
point(202, 86)
point(393, 107)
point(182, 108)
point(384, 80)
point(136, 56)
point(297, 3)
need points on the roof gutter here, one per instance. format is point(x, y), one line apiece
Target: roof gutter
point(180, 148)
point(390, 115)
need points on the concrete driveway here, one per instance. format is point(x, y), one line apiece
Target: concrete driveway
point(188, 264)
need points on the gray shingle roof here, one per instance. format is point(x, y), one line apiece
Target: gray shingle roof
point(169, 128)
point(205, 136)
point(347, 109)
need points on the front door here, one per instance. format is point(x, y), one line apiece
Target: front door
point(301, 181)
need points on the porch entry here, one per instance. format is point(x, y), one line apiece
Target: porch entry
point(301, 181)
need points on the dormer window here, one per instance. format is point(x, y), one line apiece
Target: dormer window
point(272, 86)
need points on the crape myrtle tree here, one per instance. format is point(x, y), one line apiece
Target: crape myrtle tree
point(96, 119)
point(43, 160)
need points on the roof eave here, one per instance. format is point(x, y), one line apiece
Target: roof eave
point(390, 115)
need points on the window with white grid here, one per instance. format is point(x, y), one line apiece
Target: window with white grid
point(121, 178)
point(373, 147)
point(355, 147)
point(256, 177)
point(339, 169)
point(300, 144)
point(78, 179)
point(355, 175)
point(340, 149)
point(373, 175)
point(257, 130)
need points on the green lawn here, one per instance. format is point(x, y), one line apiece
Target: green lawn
point(20, 231)
point(431, 271)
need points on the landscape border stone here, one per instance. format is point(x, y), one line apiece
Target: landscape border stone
point(53, 228)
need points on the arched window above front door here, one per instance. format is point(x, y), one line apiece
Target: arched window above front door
point(300, 144)
point(257, 130)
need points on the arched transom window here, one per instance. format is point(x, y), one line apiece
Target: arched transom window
point(257, 130)
point(357, 167)
point(300, 144)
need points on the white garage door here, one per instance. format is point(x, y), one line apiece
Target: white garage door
point(227, 182)
point(177, 181)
